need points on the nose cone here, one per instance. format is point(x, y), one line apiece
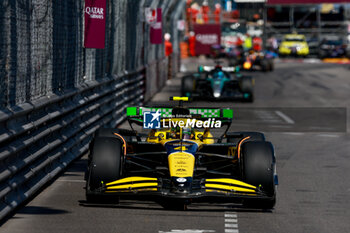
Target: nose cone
point(217, 94)
point(181, 185)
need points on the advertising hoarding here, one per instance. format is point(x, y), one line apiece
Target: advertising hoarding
point(207, 35)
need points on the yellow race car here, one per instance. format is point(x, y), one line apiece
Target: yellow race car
point(295, 45)
point(180, 161)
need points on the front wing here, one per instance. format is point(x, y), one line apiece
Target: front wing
point(214, 187)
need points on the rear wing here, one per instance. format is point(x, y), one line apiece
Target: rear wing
point(225, 115)
point(167, 112)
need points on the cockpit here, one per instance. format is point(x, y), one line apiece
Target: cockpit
point(182, 133)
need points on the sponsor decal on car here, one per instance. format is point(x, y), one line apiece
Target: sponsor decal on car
point(151, 120)
point(181, 180)
point(193, 123)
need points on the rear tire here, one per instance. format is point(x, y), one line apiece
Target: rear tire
point(264, 65)
point(187, 86)
point(246, 85)
point(254, 136)
point(105, 165)
point(271, 65)
point(258, 169)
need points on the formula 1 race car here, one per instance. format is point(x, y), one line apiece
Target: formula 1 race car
point(179, 161)
point(218, 83)
point(253, 60)
point(331, 47)
point(250, 60)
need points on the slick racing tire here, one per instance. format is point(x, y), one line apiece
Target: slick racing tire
point(187, 86)
point(246, 85)
point(258, 169)
point(110, 132)
point(271, 65)
point(106, 132)
point(265, 65)
point(235, 137)
point(104, 166)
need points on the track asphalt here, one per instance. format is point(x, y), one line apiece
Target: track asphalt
point(303, 110)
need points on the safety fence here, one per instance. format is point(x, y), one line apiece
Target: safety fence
point(54, 94)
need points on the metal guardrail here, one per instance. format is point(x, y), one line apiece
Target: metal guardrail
point(54, 97)
point(39, 139)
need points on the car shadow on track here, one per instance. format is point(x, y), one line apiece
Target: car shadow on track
point(197, 207)
point(39, 210)
point(123, 205)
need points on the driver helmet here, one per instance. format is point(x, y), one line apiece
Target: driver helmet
point(220, 74)
point(175, 133)
point(187, 133)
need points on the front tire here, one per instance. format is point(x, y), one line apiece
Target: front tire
point(105, 165)
point(258, 169)
point(187, 86)
point(246, 85)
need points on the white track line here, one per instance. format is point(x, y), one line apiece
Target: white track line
point(231, 231)
point(230, 215)
point(231, 225)
point(294, 133)
point(187, 231)
point(231, 222)
point(285, 117)
point(329, 135)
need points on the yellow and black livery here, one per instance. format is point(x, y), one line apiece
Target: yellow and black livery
point(186, 164)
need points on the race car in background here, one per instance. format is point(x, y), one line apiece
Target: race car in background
point(217, 82)
point(294, 45)
point(249, 60)
point(254, 60)
point(178, 162)
point(331, 47)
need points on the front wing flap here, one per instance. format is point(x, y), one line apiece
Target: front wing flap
point(217, 187)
